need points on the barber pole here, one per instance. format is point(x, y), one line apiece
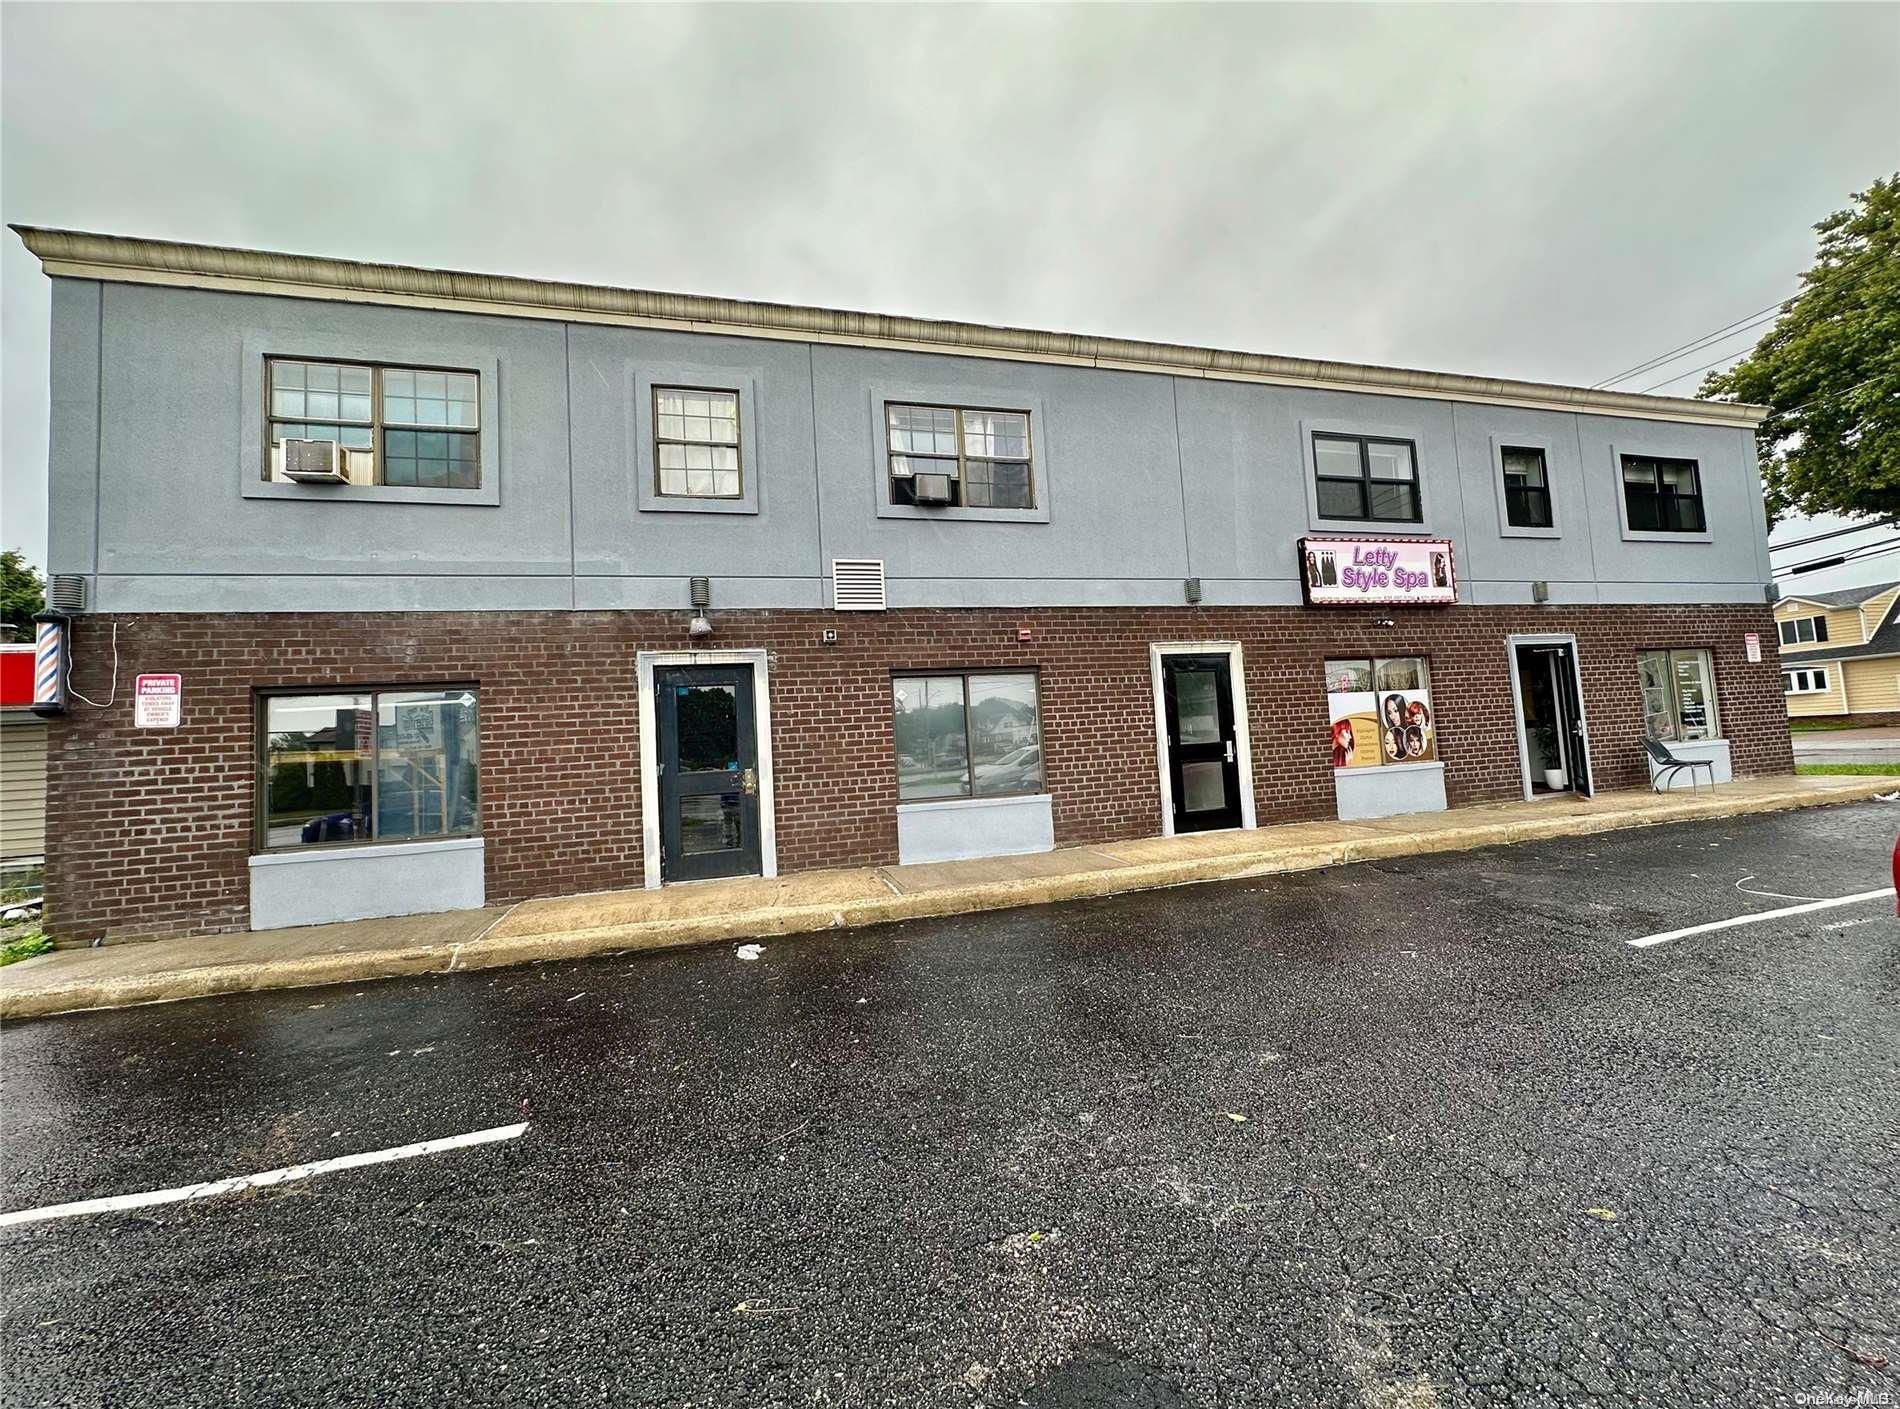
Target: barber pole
point(49, 663)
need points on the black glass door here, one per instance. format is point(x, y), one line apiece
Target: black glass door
point(1203, 760)
point(709, 772)
point(1570, 716)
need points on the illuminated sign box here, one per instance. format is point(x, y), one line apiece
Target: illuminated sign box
point(1349, 572)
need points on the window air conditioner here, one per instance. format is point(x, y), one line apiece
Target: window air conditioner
point(315, 462)
point(930, 489)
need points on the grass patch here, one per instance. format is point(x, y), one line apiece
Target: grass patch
point(1848, 770)
point(1821, 726)
point(26, 946)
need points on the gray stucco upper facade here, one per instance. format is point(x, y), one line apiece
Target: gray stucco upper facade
point(1143, 478)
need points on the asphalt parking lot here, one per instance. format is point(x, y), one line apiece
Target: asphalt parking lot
point(1398, 1134)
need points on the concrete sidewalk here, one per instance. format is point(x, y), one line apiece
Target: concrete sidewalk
point(569, 927)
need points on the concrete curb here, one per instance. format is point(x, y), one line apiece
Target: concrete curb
point(500, 948)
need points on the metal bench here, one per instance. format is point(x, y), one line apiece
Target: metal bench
point(1668, 765)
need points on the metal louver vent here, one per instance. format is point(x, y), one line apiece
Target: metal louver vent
point(66, 592)
point(857, 584)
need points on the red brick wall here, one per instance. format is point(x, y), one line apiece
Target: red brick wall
point(149, 832)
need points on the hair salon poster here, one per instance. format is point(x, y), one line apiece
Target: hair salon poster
point(1373, 726)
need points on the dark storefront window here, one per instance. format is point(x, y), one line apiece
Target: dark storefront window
point(966, 735)
point(384, 765)
point(1678, 695)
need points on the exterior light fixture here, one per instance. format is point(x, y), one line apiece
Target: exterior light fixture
point(701, 624)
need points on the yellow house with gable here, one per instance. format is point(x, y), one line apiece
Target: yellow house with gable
point(1840, 652)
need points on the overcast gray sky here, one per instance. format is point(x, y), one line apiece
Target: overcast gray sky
point(1541, 192)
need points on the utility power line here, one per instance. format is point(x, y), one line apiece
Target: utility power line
point(1740, 326)
point(1838, 560)
point(1834, 533)
point(1689, 346)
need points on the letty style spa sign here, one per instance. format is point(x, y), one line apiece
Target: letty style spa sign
point(1343, 572)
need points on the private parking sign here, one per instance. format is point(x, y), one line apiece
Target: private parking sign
point(158, 701)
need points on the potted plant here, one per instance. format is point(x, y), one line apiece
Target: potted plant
point(1553, 760)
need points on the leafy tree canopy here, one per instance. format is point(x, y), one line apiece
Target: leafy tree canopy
point(21, 593)
point(1829, 371)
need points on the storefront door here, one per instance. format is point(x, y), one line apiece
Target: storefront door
point(708, 766)
point(1203, 761)
point(1551, 726)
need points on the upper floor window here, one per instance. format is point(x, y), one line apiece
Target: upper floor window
point(1678, 695)
point(959, 456)
point(1364, 477)
point(1662, 496)
point(696, 442)
point(1805, 682)
point(1803, 629)
point(408, 426)
point(1526, 488)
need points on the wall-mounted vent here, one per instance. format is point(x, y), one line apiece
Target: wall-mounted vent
point(857, 584)
point(66, 592)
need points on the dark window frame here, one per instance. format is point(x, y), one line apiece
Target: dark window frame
point(1661, 497)
point(738, 443)
point(377, 424)
point(260, 715)
point(1028, 460)
point(1789, 629)
point(1365, 479)
point(1526, 494)
point(970, 794)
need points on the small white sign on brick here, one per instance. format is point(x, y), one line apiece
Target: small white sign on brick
point(1751, 642)
point(158, 701)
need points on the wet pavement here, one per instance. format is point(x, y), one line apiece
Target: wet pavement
point(1346, 1137)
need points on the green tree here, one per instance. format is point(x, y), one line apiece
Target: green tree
point(21, 593)
point(1829, 371)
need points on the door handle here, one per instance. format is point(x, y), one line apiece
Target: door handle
point(749, 782)
point(1230, 750)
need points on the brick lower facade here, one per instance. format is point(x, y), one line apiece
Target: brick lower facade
point(149, 833)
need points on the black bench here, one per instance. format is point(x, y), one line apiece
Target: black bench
point(1668, 765)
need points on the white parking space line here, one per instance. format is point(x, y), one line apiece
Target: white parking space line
point(1757, 917)
point(269, 1177)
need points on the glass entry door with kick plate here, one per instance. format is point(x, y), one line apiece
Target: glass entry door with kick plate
point(709, 772)
point(1203, 758)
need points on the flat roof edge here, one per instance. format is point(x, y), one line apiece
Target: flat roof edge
point(119, 258)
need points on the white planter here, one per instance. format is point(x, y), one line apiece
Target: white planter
point(1555, 780)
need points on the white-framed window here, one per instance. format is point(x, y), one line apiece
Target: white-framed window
point(1678, 695)
point(696, 448)
point(1380, 711)
point(982, 459)
point(1811, 680)
point(409, 427)
point(1800, 630)
point(967, 734)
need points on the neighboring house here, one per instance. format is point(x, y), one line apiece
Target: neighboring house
point(22, 764)
point(482, 588)
point(1840, 653)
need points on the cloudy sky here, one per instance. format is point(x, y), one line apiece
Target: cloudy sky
point(1548, 193)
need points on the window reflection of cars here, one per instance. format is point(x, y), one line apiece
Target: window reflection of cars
point(1019, 771)
point(338, 826)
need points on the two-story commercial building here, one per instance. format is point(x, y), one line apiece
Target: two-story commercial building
point(1840, 654)
point(454, 589)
